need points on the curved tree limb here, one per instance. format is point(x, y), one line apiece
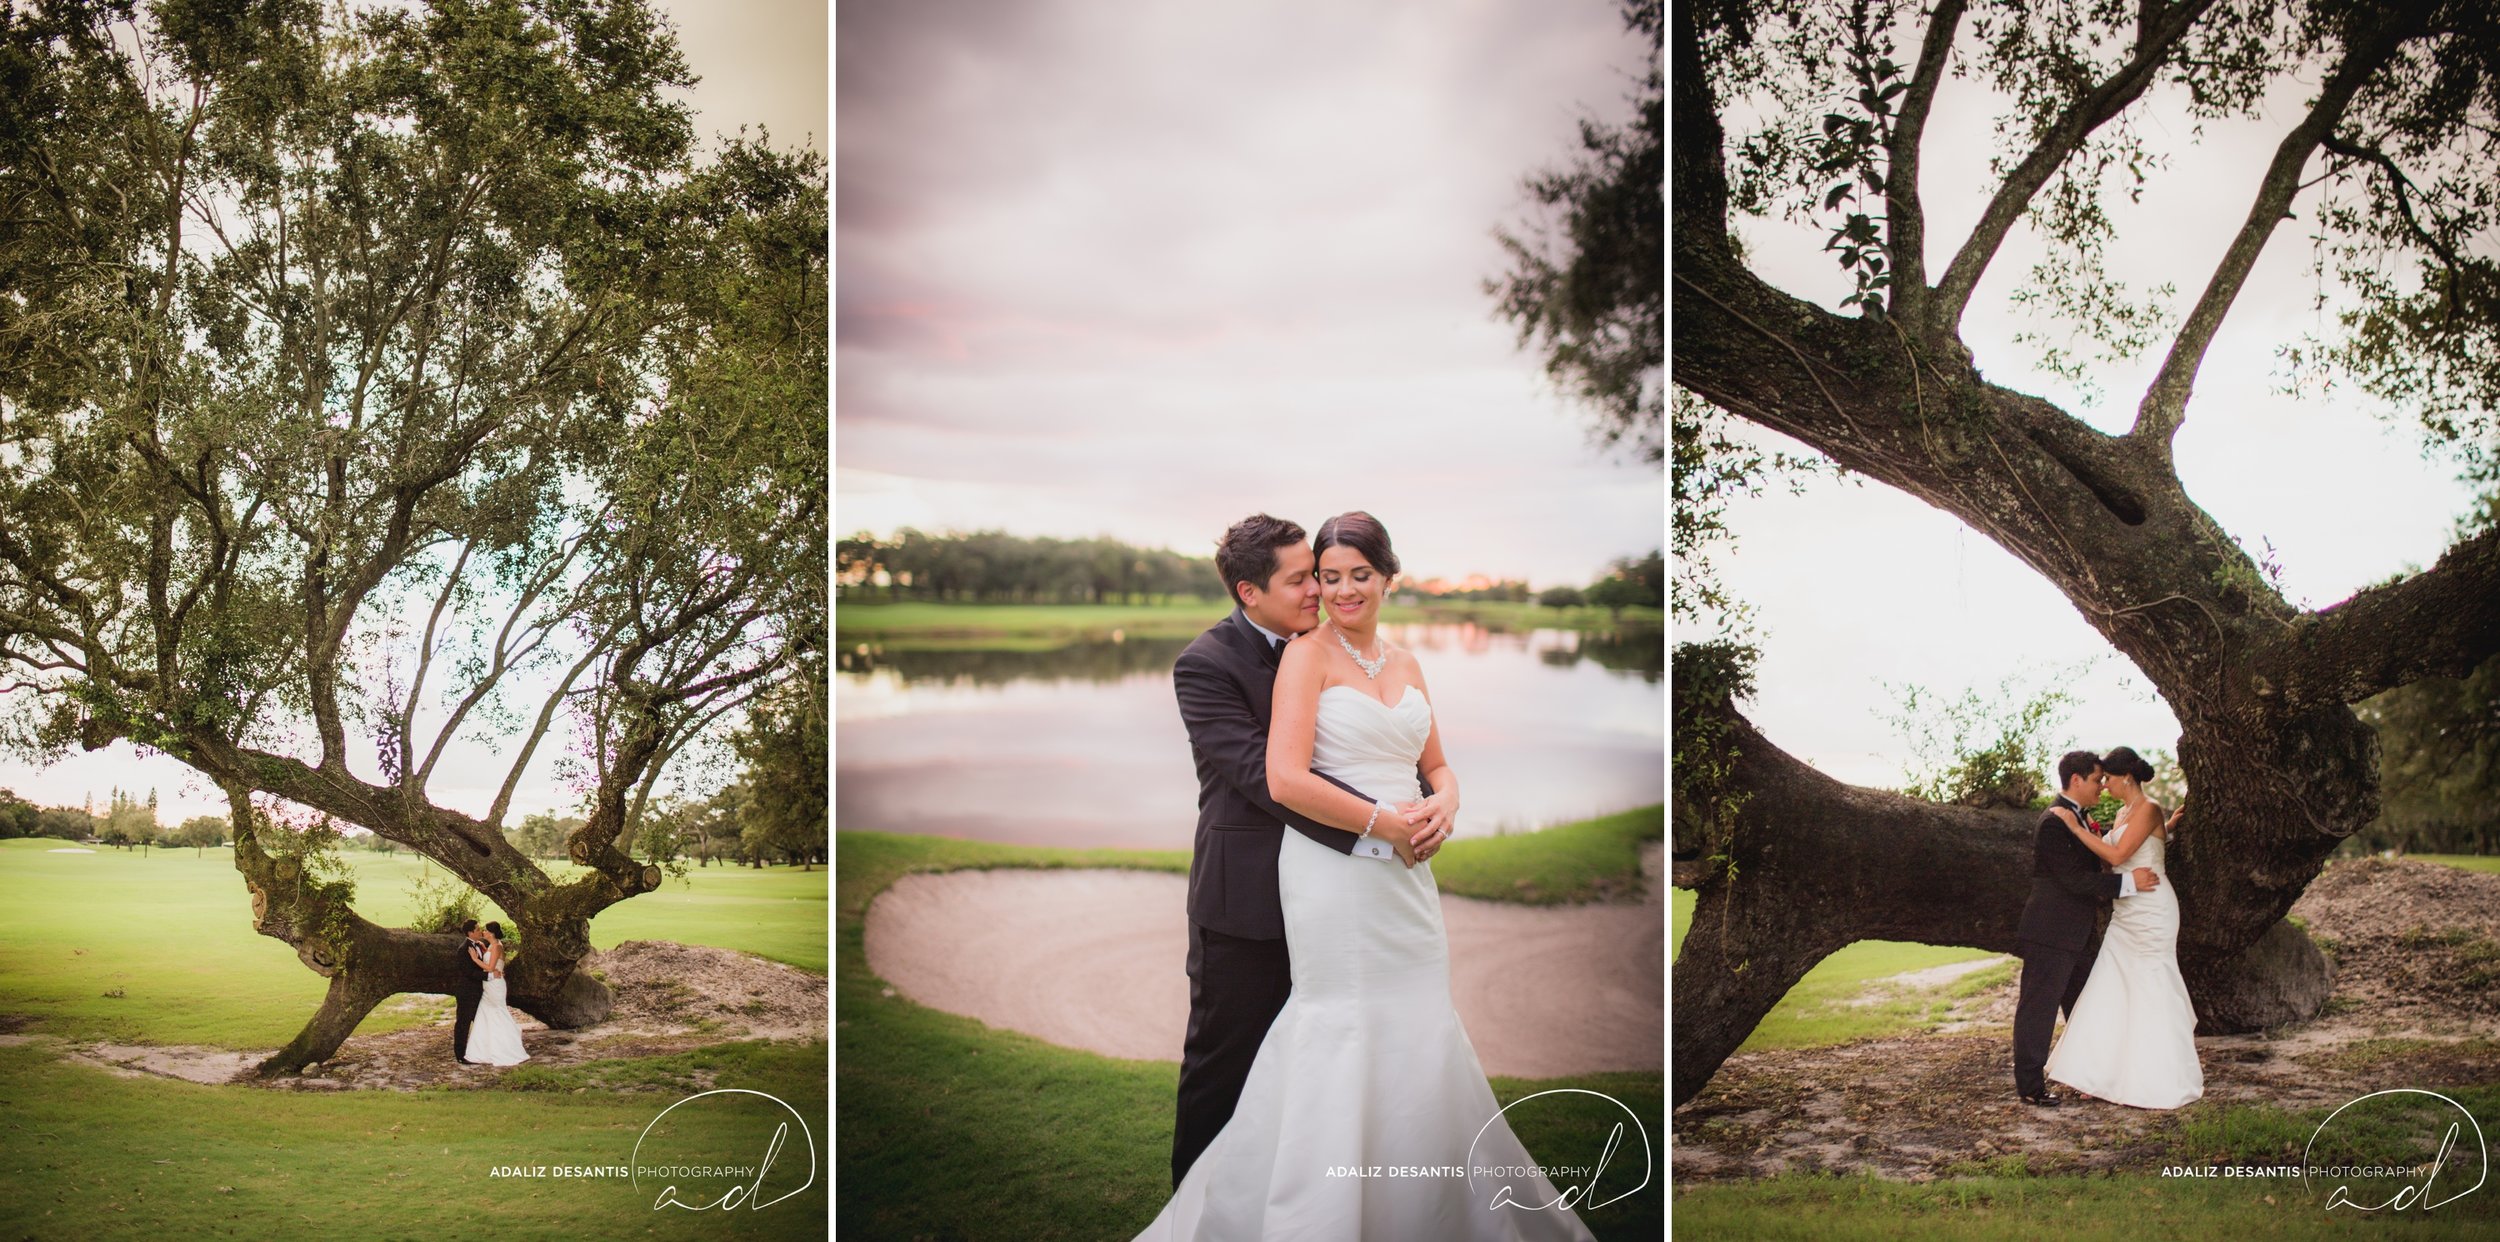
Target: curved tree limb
point(2371, 41)
point(2159, 36)
point(1904, 217)
point(2438, 623)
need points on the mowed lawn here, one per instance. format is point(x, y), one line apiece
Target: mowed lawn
point(87, 1154)
point(1819, 1010)
point(159, 948)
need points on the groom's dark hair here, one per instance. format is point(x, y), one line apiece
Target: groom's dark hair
point(1247, 552)
point(2076, 763)
point(467, 926)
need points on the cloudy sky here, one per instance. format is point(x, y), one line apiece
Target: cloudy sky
point(1139, 269)
point(1859, 585)
point(762, 63)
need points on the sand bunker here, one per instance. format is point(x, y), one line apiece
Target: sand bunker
point(669, 998)
point(1098, 959)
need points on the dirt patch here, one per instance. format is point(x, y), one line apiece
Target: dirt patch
point(1920, 1106)
point(669, 998)
point(2406, 933)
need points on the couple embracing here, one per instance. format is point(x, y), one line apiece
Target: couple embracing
point(2130, 1031)
point(1327, 1089)
point(485, 1032)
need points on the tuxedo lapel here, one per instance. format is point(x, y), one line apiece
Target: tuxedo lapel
point(1254, 643)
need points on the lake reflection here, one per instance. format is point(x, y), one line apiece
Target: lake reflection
point(1083, 745)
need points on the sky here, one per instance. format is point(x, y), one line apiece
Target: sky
point(1139, 269)
point(761, 62)
point(1860, 586)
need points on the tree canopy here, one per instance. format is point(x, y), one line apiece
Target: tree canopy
point(374, 377)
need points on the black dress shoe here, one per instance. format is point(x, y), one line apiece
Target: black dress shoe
point(2044, 1100)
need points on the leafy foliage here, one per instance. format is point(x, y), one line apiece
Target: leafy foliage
point(785, 747)
point(441, 903)
point(1707, 678)
point(1588, 288)
point(1995, 749)
point(2439, 764)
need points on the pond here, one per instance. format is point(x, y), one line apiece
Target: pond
point(1083, 745)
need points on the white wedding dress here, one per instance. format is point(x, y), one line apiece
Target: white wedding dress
point(2132, 1036)
point(494, 1035)
point(1365, 1105)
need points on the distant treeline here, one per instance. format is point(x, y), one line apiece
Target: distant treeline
point(128, 822)
point(993, 567)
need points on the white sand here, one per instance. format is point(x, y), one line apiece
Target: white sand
point(1098, 960)
point(73, 851)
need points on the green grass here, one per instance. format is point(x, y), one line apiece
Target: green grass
point(1068, 1144)
point(1817, 1011)
point(2129, 1208)
point(1584, 861)
point(172, 932)
point(92, 1155)
point(2469, 862)
point(1042, 627)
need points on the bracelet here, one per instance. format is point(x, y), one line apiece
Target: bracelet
point(1367, 824)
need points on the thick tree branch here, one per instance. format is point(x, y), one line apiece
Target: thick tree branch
point(1904, 217)
point(2064, 137)
point(2368, 48)
point(2439, 623)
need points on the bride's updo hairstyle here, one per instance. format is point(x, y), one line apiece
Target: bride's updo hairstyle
point(2125, 762)
point(1363, 533)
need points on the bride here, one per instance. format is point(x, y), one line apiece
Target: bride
point(2131, 1036)
point(1365, 1108)
point(494, 1037)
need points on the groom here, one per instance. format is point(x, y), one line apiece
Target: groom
point(471, 989)
point(1239, 975)
point(2068, 884)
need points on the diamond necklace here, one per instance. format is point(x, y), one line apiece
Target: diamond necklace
point(1371, 668)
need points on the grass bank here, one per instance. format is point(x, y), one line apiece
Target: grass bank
point(1074, 1145)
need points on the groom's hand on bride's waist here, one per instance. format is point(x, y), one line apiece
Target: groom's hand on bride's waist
point(2146, 880)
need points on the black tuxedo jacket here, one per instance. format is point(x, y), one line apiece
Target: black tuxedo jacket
point(472, 976)
point(2068, 885)
point(1226, 683)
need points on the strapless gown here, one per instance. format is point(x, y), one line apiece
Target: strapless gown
point(494, 1034)
point(1366, 1069)
point(2132, 1036)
